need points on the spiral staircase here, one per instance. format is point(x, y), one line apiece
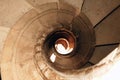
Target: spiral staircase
point(58, 39)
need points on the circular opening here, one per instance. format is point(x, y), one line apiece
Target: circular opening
point(63, 46)
point(61, 42)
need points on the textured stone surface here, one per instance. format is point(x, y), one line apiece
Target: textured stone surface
point(18, 60)
point(97, 10)
point(3, 34)
point(108, 31)
point(10, 12)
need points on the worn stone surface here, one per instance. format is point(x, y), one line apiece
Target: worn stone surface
point(3, 34)
point(101, 52)
point(97, 10)
point(18, 58)
point(10, 12)
point(107, 32)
